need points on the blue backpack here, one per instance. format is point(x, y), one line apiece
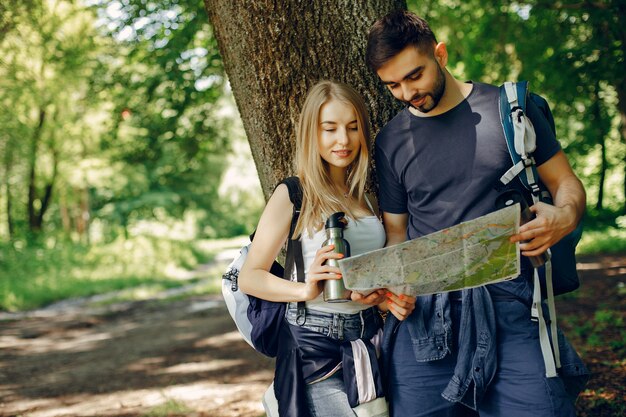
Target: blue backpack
point(513, 99)
point(558, 275)
point(259, 321)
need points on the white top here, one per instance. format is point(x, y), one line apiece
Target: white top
point(363, 235)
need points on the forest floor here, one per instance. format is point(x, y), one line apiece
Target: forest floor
point(184, 358)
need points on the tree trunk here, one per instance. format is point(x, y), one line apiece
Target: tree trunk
point(621, 107)
point(32, 176)
point(7, 192)
point(601, 128)
point(45, 201)
point(82, 220)
point(274, 51)
point(64, 212)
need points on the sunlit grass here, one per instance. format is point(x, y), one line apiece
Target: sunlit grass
point(169, 408)
point(608, 240)
point(141, 266)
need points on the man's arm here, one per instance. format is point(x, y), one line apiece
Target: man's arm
point(554, 222)
point(395, 227)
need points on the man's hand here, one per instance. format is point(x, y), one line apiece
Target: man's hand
point(550, 225)
point(372, 299)
point(553, 222)
point(401, 305)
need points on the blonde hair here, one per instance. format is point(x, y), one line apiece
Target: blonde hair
point(320, 197)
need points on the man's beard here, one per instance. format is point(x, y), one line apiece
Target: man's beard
point(435, 95)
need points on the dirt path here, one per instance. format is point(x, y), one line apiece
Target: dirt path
point(184, 358)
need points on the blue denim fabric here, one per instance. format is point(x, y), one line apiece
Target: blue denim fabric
point(482, 332)
point(416, 386)
point(338, 326)
point(328, 398)
point(520, 387)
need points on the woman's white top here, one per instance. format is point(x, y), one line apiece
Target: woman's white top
point(363, 235)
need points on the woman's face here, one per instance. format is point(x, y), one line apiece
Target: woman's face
point(338, 135)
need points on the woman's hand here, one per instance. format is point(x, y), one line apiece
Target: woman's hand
point(401, 305)
point(318, 272)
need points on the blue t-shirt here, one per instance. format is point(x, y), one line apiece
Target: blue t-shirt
point(441, 170)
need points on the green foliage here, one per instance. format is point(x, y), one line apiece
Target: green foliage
point(594, 332)
point(47, 107)
point(165, 129)
point(34, 276)
point(168, 409)
point(604, 240)
point(112, 113)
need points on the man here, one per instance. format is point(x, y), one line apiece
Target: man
point(437, 163)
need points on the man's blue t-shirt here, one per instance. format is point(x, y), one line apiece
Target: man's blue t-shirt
point(441, 170)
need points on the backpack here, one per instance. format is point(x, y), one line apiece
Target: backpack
point(558, 275)
point(513, 99)
point(259, 320)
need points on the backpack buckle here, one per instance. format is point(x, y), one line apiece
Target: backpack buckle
point(517, 111)
point(527, 161)
point(232, 276)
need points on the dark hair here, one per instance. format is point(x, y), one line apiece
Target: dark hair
point(390, 34)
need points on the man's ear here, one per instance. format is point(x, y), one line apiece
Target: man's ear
point(441, 54)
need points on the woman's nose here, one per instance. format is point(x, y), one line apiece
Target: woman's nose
point(342, 136)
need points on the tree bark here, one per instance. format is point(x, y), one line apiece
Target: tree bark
point(7, 192)
point(601, 129)
point(621, 107)
point(32, 175)
point(274, 51)
point(45, 201)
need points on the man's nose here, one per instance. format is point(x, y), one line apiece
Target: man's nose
point(407, 92)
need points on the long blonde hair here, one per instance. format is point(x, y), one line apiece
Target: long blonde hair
point(320, 197)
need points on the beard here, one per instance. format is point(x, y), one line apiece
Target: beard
point(436, 94)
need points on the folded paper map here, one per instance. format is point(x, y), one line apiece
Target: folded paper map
point(470, 254)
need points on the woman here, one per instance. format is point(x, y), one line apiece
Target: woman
point(332, 165)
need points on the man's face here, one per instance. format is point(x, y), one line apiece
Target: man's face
point(415, 78)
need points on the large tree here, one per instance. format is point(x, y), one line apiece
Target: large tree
point(273, 51)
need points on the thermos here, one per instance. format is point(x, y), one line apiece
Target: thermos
point(509, 198)
point(334, 289)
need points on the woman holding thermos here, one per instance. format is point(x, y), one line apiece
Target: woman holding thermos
point(316, 359)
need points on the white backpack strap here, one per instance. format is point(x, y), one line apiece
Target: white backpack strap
point(544, 338)
point(512, 173)
point(525, 140)
point(552, 310)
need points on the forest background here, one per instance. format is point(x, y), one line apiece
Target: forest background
point(122, 150)
point(125, 165)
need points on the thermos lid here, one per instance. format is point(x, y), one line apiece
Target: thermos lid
point(508, 198)
point(336, 220)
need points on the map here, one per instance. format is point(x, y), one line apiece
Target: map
point(470, 254)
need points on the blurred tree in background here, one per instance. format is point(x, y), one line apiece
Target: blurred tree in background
point(48, 105)
point(112, 112)
point(165, 130)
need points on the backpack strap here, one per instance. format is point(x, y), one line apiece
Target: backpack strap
point(521, 141)
point(294, 246)
point(295, 196)
point(520, 136)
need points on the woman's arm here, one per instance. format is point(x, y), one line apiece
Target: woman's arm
point(271, 235)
